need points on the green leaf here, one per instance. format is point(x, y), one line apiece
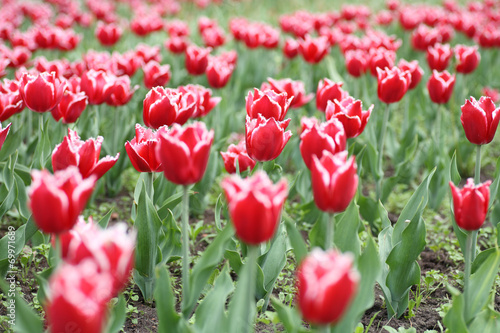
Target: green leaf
point(298, 244)
point(413, 208)
point(346, 231)
point(487, 321)
point(273, 261)
point(171, 245)
point(22, 198)
point(318, 232)
point(168, 319)
point(103, 222)
point(21, 236)
point(454, 319)
point(210, 314)
point(201, 272)
point(369, 267)
point(117, 316)
point(12, 142)
point(171, 203)
point(481, 283)
point(234, 259)
point(218, 208)
point(494, 188)
point(385, 248)
point(288, 316)
point(25, 319)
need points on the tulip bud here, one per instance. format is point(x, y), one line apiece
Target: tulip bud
point(438, 56)
point(440, 86)
point(197, 59)
point(470, 204)
point(326, 285)
point(480, 120)
point(82, 154)
point(266, 138)
point(184, 152)
point(142, 150)
point(468, 58)
point(392, 84)
point(255, 205)
point(334, 181)
point(57, 200)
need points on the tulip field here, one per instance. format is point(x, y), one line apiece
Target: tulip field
point(249, 166)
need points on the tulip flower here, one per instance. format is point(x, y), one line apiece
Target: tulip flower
point(316, 139)
point(120, 92)
point(292, 88)
point(197, 59)
point(470, 204)
point(82, 154)
point(438, 56)
point(254, 205)
point(237, 155)
point(203, 97)
point(480, 120)
point(416, 72)
point(356, 62)
point(493, 93)
point(184, 152)
point(108, 34)
point(3, 134)
point(176, 45)
point(41, 93)
point(97, 85)
point(380, 58)
point(148, 53)
point(350, 113)
point(165, 106)
point(156, 75)
point(78, 298)
point(440, 86)
point(266, 138)
point(392, 84)
point(112, 249)
point(313, 50)
point(11, 103)
point(468, 58)
point(291, 48)
point(57, 200)
point(70, 107)
point(218, 72)
point(326, 285)
point(142, 150)
point(268, 103)
point(334, 181)
point(329, 91)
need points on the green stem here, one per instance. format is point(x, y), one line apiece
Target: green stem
point(330, 230)
point(185, 247)
point(468, 262)
point(253, 254)
point(438, 130)
point(324, 329)
point(151, 190)
point(477, 173)
point(381, 153)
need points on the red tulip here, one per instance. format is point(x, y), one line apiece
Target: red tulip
point(165, 106)
point(329, 91)
point(97, 85)
point(176, 45)
point(120, 93)
point(112, 249)
point(440, 86)
point(41, 93)
point(82, 154)
point(292, 88)
point(392, 84)
point(438, 56)
point(255, 205)
point(203, 96)
point(416, 72)
point(480, 120)
point(70, 107)
point(326, 285)
point(493, 93)
point(11, 101)
point(142, 150)
point(78, 298)
point(356, 62)
point(108, 34)
point(237, 155)
point(380, 58)
point(74, 235)
point(313, 50)
point(156, 75)
point(3, 134)
point(334, 181)
point(268, 104)
point(213, 37)
point(350, 113)
point(468, 58)
point(318, 138)
point(197, 59)
point(218, 72)
point(291, 48)
point(125, 64)
point(148, 53)
point(470, 204)
point(184, 152)
point(266, 138)
point(57, 200)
